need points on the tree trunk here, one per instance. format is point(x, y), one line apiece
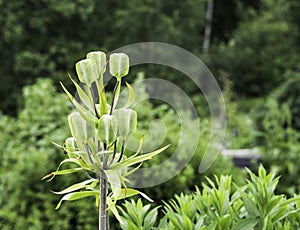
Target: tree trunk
point(208, 26)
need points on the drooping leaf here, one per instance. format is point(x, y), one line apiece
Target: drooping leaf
point(76, 196)
point(83, 96)
point(62, 172)
point(135, 160)
point(86, 114)
point(131, 96)
point(75, 187)
point(111, 206)
point(114, 181)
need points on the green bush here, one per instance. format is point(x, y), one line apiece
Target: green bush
point(27, 154)
point(289, 93)
point(280, 145)
point(240, 126)
point(253, 206)
point(253, 58)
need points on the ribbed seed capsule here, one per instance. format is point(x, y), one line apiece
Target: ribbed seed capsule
point(87, 71)
point(80, 129)
point(118, 65)
point(100, 59)
point(71, 147)
point(127, 119)
point(107, 128)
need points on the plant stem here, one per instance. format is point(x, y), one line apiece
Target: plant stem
point(122, 151)
point(102, 202)
point(115, 96)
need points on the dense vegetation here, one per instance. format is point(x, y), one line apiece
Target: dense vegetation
point(254, 55)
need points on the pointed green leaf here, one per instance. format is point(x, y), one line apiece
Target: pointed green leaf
point(245, 224)
point(62, 172)
point(111, 206)
point(151, 218)
point(75, 187)
point(52, 175)
point(146, 197)
point(87, 115)
point(114, 181)
point(128, 192)
point(76, 196)
point(83, 96)
point(131, 96)
point(135, 160)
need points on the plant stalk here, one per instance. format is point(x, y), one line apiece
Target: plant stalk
point(102, 202)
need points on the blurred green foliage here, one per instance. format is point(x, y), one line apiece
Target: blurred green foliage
point(26, 154)
point(280, 144)
point(253, 58)
point(289, 93)
point(43, 38)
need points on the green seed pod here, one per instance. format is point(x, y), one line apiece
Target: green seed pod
point(119, 65)
point(80, 129)
point(87, 71)
point(107, 129)
point(71, 147)
point(100, 59)
point(127, 119)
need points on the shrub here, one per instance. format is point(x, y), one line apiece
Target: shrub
point(27, 154)
point(289, 93)
point(252, 58)
point(253, 206)
point(281, 145)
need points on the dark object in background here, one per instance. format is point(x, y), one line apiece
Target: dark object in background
point(243, 157)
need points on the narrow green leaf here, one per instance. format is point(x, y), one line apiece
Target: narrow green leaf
point(145, 196)
point(134, 170)
point(250, 206)
point(52, 174)
point(150, 218)
point(128, 192)
point(83, 96)
point(135, 160)
point(76, 196)
point(114, 181)
point(245, 224)
point(102, 97)
point(131, 95)
point(111, 206)
point(75, 187)
point(62, 172)
point(87, 115)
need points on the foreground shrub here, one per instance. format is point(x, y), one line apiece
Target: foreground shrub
point(253, 206)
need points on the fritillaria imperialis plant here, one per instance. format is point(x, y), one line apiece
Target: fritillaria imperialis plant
point(99, 132)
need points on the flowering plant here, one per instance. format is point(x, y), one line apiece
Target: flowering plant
point(99, 133)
